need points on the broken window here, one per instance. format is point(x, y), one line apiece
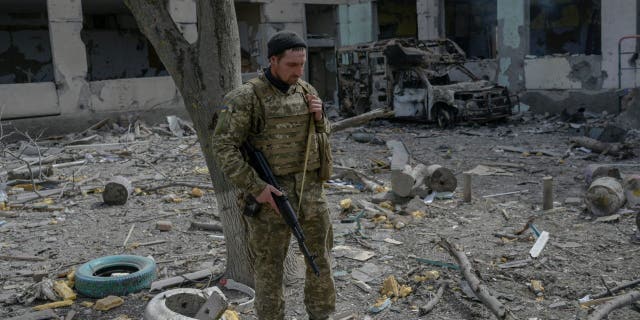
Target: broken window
point(115, 46)
point(565, 26)
point(248, 16)
point(321, 35)
point(25, 47)
point(472, 25)
point(397, 19)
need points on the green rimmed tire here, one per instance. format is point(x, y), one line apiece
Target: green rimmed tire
point(94, 279)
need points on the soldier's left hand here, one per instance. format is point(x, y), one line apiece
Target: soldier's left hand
point(315, 106)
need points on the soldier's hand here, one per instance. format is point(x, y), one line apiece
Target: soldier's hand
point(266, 197)
point(315, 106)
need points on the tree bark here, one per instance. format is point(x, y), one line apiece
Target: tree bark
point(203, 72)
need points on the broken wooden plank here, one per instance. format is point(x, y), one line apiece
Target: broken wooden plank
point(39, 315)
point(174, 281)
point(35, 172)
point(26, 197)
point(361, 119)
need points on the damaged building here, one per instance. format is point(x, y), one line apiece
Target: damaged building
point(75, 60)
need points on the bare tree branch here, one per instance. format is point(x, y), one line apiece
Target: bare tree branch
point(616, 303)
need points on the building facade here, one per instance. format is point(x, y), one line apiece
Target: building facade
point(72, 62)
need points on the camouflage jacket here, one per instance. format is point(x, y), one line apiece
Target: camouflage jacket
point(241, 117)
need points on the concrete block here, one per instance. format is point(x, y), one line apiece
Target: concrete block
point(164, 225)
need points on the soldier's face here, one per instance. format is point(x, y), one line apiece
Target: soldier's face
point(290, 67)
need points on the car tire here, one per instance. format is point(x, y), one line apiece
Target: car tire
point(174, 304)
point(444, 117)
point(92, 278)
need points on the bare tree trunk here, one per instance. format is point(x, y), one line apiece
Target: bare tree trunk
point(203, 72)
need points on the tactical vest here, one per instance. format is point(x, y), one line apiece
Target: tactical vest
point(284, 137)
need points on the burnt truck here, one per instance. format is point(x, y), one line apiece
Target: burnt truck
point(413, 78)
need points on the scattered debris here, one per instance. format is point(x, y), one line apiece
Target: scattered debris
point(193, 276)
point(480, 290)
point(424, 310)
point(164, 225)
point(615, 303)
point(53, 305)
point(108, 303)
point(117, 191)
point(618, 150)
point(605, 196)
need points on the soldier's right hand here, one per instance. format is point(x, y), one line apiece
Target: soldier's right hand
point(266, 197)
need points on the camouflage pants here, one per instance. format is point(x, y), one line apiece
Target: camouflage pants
point(269, 238)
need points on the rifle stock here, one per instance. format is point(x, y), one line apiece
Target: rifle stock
point(260, 164)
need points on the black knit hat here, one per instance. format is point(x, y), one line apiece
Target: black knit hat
point(282, 41)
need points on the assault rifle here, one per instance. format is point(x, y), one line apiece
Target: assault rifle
point(260, 164)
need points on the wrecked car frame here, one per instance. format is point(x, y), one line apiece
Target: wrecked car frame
point(413, 78)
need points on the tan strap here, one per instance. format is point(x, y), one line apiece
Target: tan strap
point(312, 126)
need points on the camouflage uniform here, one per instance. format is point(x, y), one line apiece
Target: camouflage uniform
point(277, 123)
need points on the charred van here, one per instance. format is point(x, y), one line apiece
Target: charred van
point(413, 78)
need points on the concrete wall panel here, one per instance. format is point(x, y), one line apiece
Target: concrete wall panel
point(28, 99)
point(549, 73)
point(140, 94)
point(356, 23)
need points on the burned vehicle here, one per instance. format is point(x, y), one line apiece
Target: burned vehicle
point(413, 78)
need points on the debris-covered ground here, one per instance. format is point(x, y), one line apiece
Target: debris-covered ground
point(47, 234)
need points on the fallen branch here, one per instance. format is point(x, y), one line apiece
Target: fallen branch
point(480, 290)
point(615, 303)
point(433, 302)
point(613, 290)
point(361, 119)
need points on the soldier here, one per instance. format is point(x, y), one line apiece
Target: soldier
point(282, 116)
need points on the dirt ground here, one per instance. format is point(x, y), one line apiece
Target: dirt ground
point(584, 254)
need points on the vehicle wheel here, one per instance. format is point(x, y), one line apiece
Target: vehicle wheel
point(93, 279)
point(444, 117)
